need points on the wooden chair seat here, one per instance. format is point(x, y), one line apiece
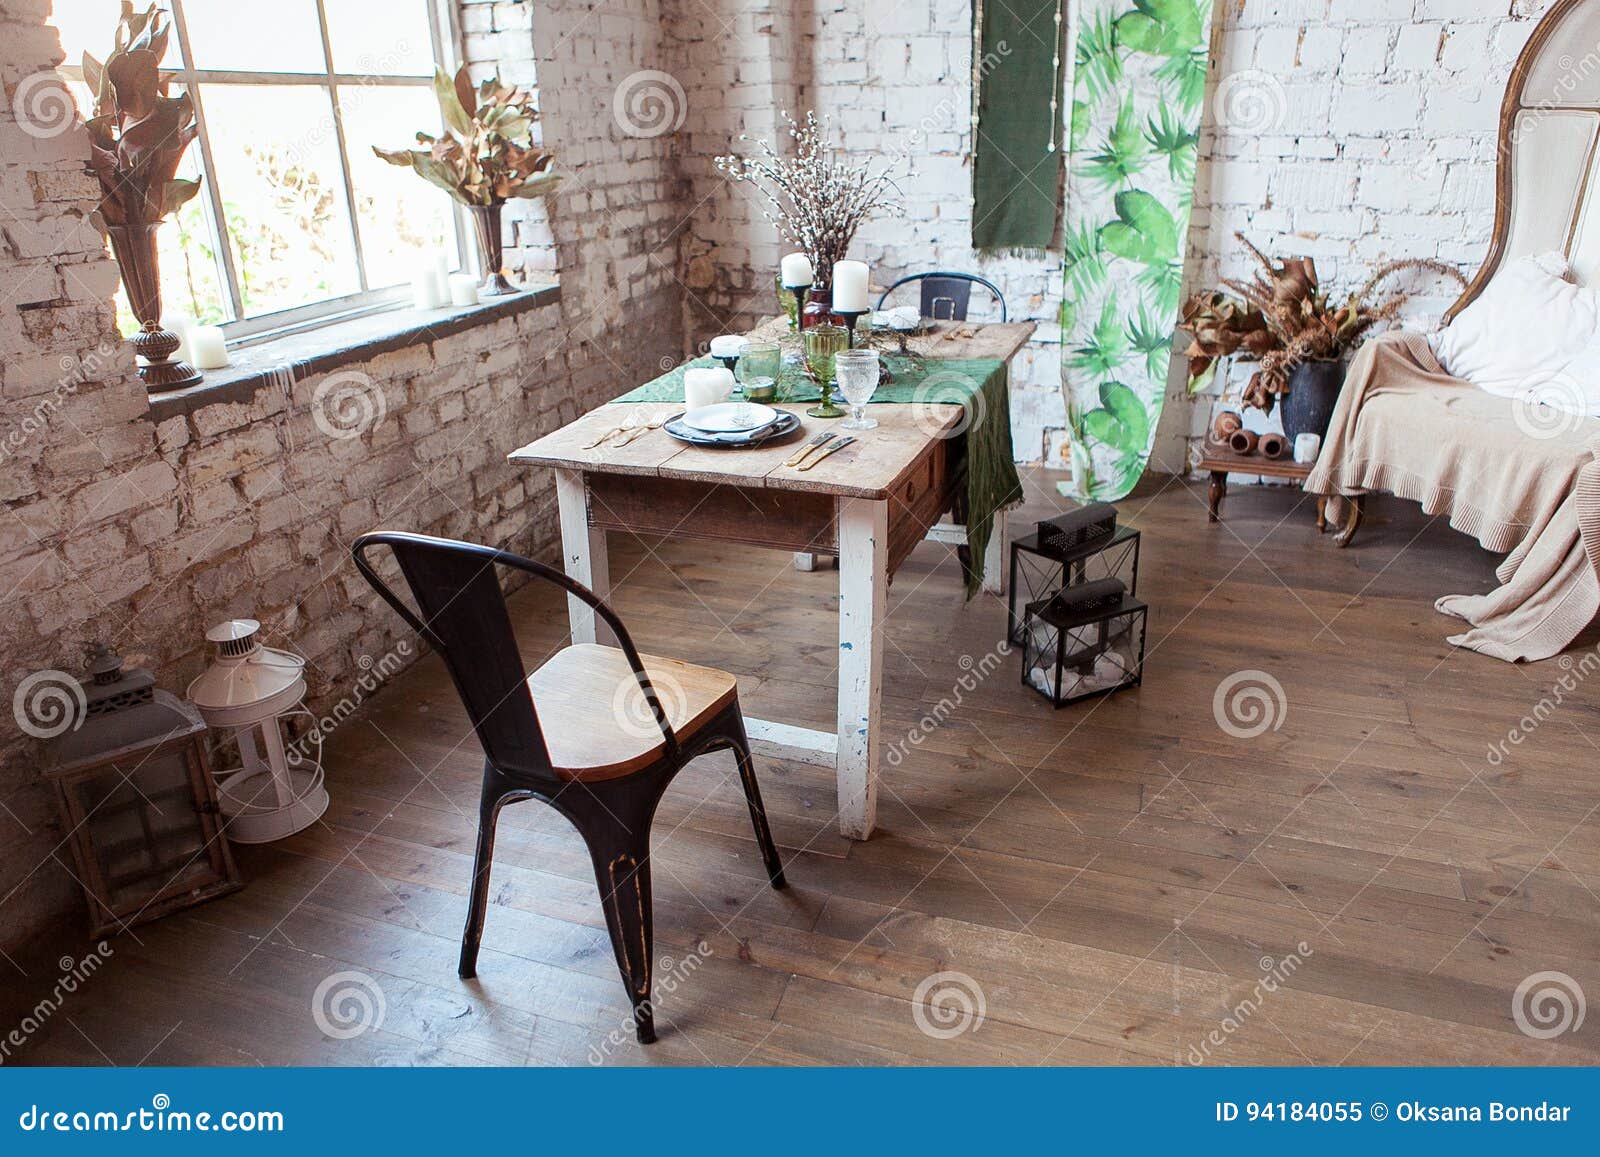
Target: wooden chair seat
point(596, 722)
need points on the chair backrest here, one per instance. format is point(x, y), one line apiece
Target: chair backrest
point(946, 295)
point(1547, 194)
point(461, 613)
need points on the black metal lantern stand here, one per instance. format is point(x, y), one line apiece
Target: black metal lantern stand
point(1038, 571)
point(1086, 640)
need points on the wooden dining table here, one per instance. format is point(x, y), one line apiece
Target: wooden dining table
point(870, 503)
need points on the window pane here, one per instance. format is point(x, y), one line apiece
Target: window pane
point(277, 162)
point(91, 26)
point(402, 216)
point(251, 36)
point(386, 37)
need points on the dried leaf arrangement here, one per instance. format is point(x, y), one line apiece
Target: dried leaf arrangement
point(137, 138)
point(815, 199)
point(1283, 318)
point(486, 156)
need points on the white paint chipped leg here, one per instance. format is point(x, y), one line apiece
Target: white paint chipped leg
point(994, 556)
point(863, 604)
point(583, 556)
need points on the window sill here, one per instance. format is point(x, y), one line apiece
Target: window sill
point(344, 343)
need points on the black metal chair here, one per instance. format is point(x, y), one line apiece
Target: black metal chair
point(951, 292)
point(588, 732)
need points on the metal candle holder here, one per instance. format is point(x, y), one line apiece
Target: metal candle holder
point(800, 292)
point(850, 318)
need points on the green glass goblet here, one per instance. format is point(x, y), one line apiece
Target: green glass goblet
point(822, 344)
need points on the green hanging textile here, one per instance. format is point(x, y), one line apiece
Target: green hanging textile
point(1139, 87)
point(1016, 153)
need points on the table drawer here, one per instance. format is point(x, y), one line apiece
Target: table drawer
point(918, 501)
point(679, 508)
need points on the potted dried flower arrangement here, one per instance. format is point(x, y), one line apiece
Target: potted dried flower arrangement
point(137, 137)
point(1284, 320)
point(486, 156)
point(813, 198)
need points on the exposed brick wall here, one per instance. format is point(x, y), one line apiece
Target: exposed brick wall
point(1355, 132)
point(115, 527)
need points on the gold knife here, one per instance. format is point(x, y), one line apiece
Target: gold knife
point(834, 449)
point(819, 440)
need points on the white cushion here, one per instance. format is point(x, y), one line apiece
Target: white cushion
point(1532, 332)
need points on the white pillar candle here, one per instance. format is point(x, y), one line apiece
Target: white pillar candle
point(728, 345)
point(796, 270)
point(441, 278)
point(1306, 448)
point(706, 387)
point(425, 288)
point(850, 287)
point(209, 350)
point(463, 289)
point(181, 325)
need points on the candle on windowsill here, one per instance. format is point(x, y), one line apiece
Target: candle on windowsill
point(706, 387)
point(181, 325)
point(463, 289)
point(207, 347)
point(425, 292)
point(850, 287)
point(441, 278)
point(796, 271)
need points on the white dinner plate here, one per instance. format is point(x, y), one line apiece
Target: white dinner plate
point(730, 417)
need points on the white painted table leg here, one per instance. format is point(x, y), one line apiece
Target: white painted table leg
point(863, 604)
point(994, 556)
point(583, 554)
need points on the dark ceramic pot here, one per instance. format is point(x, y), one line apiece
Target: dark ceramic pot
point(1313, 392)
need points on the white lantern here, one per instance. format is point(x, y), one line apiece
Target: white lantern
point(253, 690)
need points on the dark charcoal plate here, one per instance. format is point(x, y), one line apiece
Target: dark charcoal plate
point(786, 423)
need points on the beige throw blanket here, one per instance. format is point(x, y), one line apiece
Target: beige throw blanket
point(1528, 487)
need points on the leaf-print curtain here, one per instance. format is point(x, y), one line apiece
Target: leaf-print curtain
point(1140, 77)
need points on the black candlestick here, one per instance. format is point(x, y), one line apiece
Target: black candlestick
point(850, 318)
point(799, 292)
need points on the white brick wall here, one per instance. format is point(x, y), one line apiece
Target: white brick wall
point(117, 528)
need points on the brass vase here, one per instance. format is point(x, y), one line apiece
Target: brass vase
point(134, 247)
point(491, 247)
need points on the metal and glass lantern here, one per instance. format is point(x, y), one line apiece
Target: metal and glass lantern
point(137, 800)
point(1038, 572)
point(1087, 640)
point(253, 691)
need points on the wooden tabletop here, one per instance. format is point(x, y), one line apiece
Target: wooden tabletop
point(870, 467)
point(1223, 460)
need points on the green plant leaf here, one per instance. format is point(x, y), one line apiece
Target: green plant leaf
point(1099, 64)
point(1083, 258)
point(1144, 230)
point(455, 116)
point(1123, 154)
point(1161, 27)
point(1130, 414)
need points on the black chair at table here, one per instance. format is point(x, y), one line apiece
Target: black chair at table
point(589, 732)
point(945, 296)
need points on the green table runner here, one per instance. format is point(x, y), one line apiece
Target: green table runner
point(978, 384)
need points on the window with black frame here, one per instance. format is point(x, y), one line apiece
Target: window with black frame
point(297, 222)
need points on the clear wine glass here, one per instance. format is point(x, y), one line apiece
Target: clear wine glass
point(858, 372)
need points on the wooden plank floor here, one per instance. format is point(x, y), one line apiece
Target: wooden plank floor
point(1118, 882)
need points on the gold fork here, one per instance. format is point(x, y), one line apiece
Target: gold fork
point(631, 423)
point(640, 431)
point(816, 442)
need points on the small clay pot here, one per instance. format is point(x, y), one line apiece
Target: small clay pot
point(1224, 425)
point(1242, 442)
point(1273, 445)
